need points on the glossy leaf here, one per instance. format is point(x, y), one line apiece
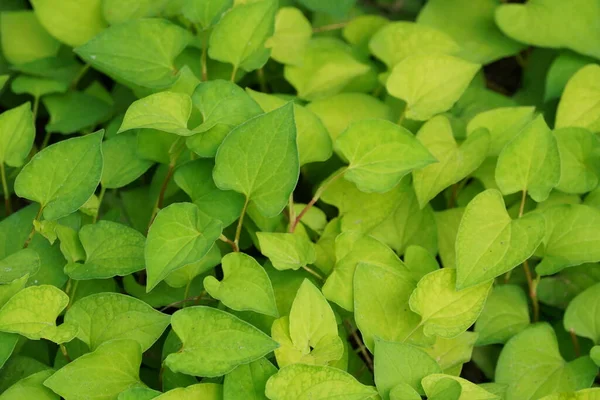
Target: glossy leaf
point(286, 250)
point(16, 135)
point(163, 111)
point(579, 103)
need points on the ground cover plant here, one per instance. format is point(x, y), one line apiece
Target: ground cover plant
point(252, 199)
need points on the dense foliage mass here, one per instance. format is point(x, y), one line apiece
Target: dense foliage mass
point(303, 199)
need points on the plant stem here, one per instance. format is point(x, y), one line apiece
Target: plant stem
point(402, 117)
point(36, 105)
point(331, 27)
point(575, 341)
point(46, 140)
point(314, 273)
point(238, 230)
point(7, 205)
point(161, 194)
point(291, 212)
point(64, 352)
point(530, 281)
point(230, 242)
point(204, 56)
point(32, 233)
point(361, 346)
point(522, 205)
point(71, 292)
point(100, 198)
point(193, 298)
point(316, 197)
point(233, 73)
point(80, 75)
point(186, 293)
point(260, 73)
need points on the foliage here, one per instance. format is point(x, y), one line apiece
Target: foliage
point(299, 199)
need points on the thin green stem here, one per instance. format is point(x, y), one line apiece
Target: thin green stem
point(402, 117)
point(71, 289)
point(291, 211)
point(64, 352)
point(316, 197)
point(331, 27)
point(260, 73)
point(161, 194)
point(575, 340)
point(32, 233)
point(46, 139)
point(100, 198)
point(230, 242)
point(233, 73)
point(238, 230)
point(7, 204)
point(522, 205)
point(531, 282)
point(80, 75)
point(186, 293)
point(36, 106)
point(314, 273)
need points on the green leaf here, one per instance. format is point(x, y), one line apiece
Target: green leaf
point(24, 39)
point(102, 374)
point(8, 342)
point(472, 26)
point(195, 178)
point(32, 313)
point(434, 382)
point(381, 295)
point(37, 87)
point(299, 381)
point(215, 342)
point(489, 243)
point(207, 391)
point(239, 38)
point(579, 160)
point(245, 285)
point(260, 160)
point(352, 248)
point(380, 154)
point(419, 262)
point(31, 387)
point(580, 316)
point(15, 266)
point(397, 363)
point(74, 111)
point(122, 165)
point(163, 111)
point(398, 40)
point(313, 79)
point(73, 22)
point(452, 353)
point(17, 132)
point(63, 176)
point(503, 124)
point(530, 162)
point(181, 277)
point(505, 314)
point(118, 11)
point(541, 23)
point(248, 381)
point(206, 13)
point(286, 250)
point(430, 84)
point(104, 317)
point(141, 51)
point(450, 312)
point(314, 143)
point(532, 367)
point(578, 105)
point(447, 223)
point(454, 162)
point(180, 235)
point(139, 393)
point(291, 37)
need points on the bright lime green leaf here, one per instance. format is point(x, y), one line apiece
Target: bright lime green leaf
point(489, 243)
point(447, 223)
point(8, 342)
point(505, 314)
point(581, 317)
point(31, 387)
point(286, 250)
point(37, 87)
point(469, 391)
point(111, 249)
point(572, 237)
point(454, 162)
point(248, 381)
point(32, 313)
point(119, 11)
point(239, 38)
point(141, 51)
point(542, 23)
point(314, 79)
point(100, 375)
point(183, 276)
point(74, 111)
point(503, 124)
point(404, 391)
point(16, 135)
point(195, 178)
point(359, 31)
point(104, 317)
point(585, 394)
point(15, 266)
point(298, 381)
point(595, 354)
point(472, 26)
point(352, 248)
point(260, 160)
point(291, 37)
point(163, 111)
point(397, 363)
point(24, 39)
point(399, 40)
point(63, 176)
point(562, 69)
point(450, 312)
point(245, 285)
point(381, 295)
point(579, 160)
point(206, 13)
point(419, 262)
point(532, 367)
point(314, 143)
point(215, 342)
point(339, 111)
point(339, 9)
point(140, 393)
point(579, 104)
point(430, 84)
point(452, 353)
point(380, 154)
point(180, 235)
point(204, 391)
point(122, 165)
point(530, 162)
